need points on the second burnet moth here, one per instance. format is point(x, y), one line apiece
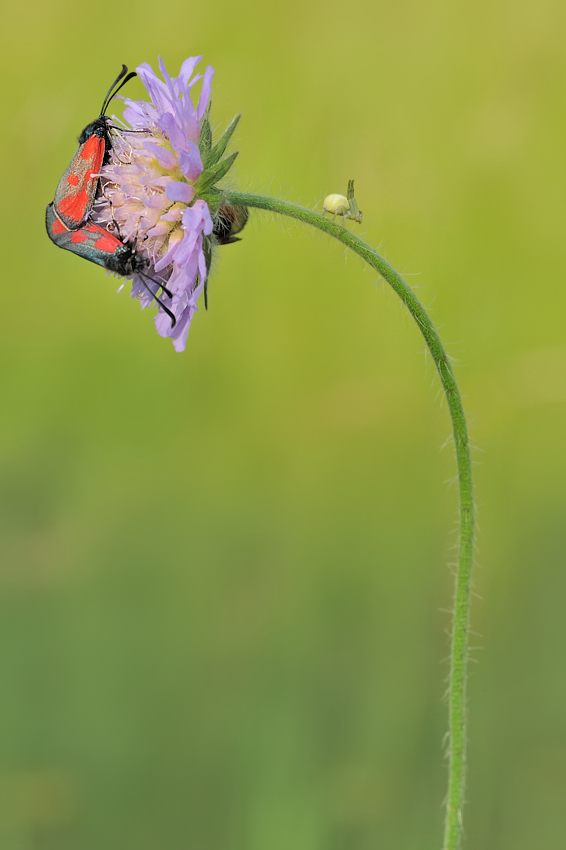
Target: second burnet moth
point(99, 246)
point(77, 189)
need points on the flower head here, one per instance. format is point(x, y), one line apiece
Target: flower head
point(159, 190)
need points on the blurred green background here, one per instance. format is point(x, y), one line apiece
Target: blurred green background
point(225, 573)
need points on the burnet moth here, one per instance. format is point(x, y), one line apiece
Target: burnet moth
point(99, 246)
point(78, 187)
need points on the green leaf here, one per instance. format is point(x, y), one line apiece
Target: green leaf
point(212, 175)
point(205, 141)
point(218, 150)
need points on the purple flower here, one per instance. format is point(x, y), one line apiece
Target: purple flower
point(161, 195)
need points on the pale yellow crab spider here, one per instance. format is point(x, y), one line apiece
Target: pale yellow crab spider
point(342, 205)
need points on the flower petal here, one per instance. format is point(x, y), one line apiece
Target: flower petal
point(205, 91)
point(165, 158)
point(169, 125)
point(187, 68)
point(190, 162)
point(178, 191)
point(174, 214)
point(160, 229)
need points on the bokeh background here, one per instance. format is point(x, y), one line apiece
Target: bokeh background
point(226, 574)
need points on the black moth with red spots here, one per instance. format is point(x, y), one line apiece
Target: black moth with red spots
point(78, 187)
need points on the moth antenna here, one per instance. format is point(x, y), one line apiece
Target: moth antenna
point(112, 91)
point(127, 130)
point(158, 300)
point(158, 283)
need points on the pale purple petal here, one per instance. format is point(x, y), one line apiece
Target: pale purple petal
point(177, 191)
point(154, 202)
point(187, 247)
point(174, 214)
point(165, 158)
point(164, 71)
point(202, 271)
point(170, 126)
point(192, 302)
point(187, 119)
point(163, 324)
point(208, 223)
point(157, 90)
point(160, 229)
point(168, 257)
point(136, 113)
point(192, 217)
point(190, 162)
point(161, 181)
point(205, 92)
point(187, 68)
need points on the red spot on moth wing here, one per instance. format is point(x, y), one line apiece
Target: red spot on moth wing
point(102, 239)
point(93, 150)
point(107, 243)
point(97, 161)
point(78, 236)
point(73, 180)
point(74, 206)
point(92, 147)
point(58, 227)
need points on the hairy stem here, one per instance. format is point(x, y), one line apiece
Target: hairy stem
point(460, 625)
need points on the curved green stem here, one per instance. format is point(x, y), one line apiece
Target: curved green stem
point(460, 626)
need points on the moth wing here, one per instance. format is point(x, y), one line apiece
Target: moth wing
point(91, 242)
point(76, 191)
